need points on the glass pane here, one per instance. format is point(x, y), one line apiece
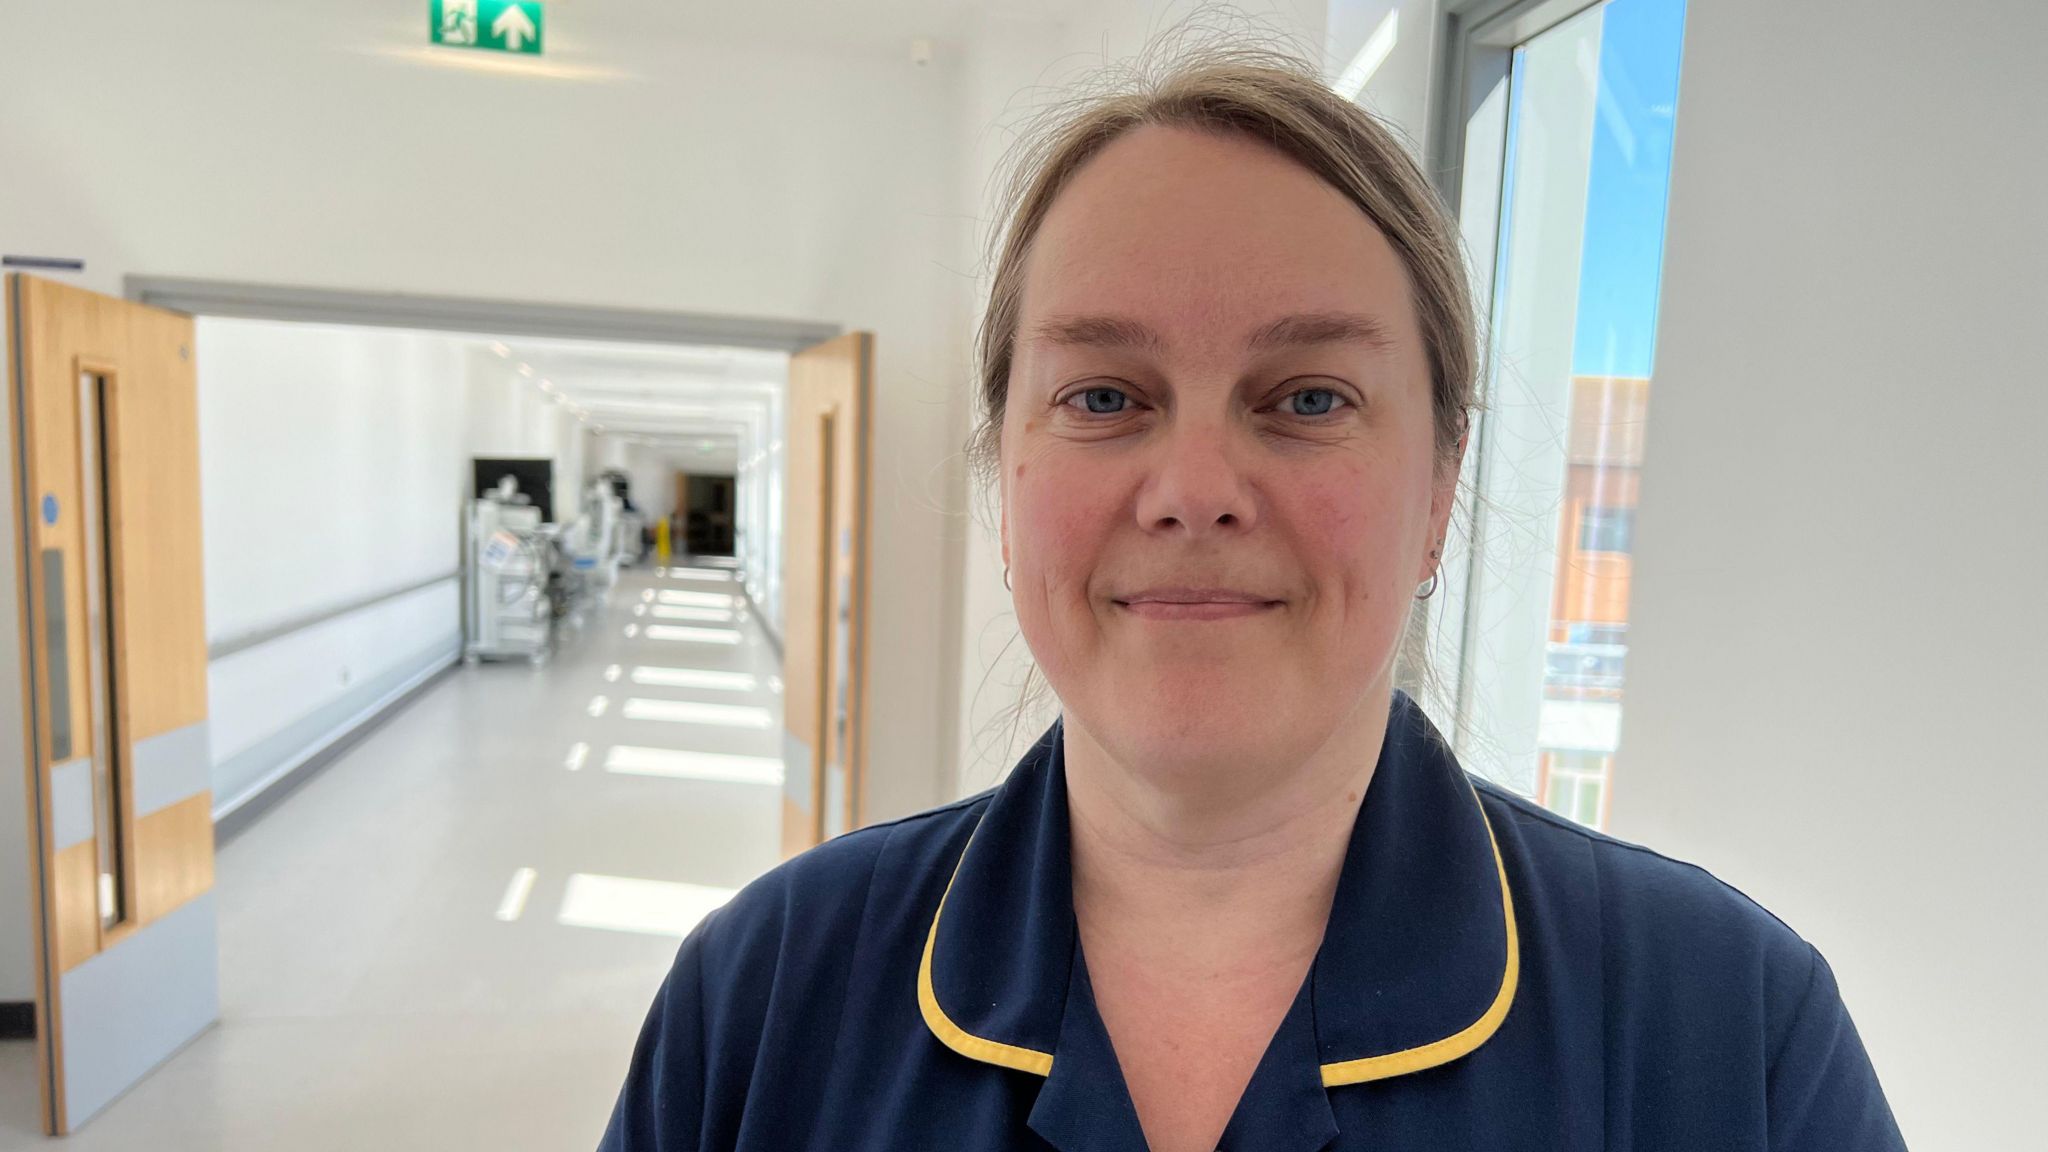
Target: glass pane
point(97, 518)
point(1576, 264)
point(57, 654)
point(1589, 803)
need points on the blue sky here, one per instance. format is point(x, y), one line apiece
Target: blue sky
point(1631, 173)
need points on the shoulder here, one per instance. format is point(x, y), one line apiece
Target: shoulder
point(1649, 912)
point(760, 981)
point(814, 903)
point(1692, 983)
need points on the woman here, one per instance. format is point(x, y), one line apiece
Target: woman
point(1240, 896)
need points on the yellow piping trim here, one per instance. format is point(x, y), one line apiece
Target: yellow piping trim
point(952, 1035)
point(1359, 1071)
point(1463, 1041)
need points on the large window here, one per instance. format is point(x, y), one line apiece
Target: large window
point(1563, 127)
point(1603, 529)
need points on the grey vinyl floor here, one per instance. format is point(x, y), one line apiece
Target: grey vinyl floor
point(449, 937)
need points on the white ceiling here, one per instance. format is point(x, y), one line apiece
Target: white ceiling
point(693, 402)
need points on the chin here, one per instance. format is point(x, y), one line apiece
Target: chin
point(1212, 724)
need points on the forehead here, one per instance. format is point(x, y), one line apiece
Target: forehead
point(1208, 236)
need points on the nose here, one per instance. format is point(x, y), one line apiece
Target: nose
point(1198, 481)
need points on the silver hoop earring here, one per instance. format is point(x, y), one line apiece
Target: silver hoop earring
point(1434, 554)
point(1006, 578)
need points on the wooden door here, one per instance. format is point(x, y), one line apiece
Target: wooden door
point(113, 659)
point(825, 591)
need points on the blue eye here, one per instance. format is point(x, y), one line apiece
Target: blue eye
point(1102, 401)
point(1314, 402)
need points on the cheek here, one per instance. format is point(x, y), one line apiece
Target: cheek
point(1360, 526)
point(1056, 517)
point(1346, 522)
point(1060, 526)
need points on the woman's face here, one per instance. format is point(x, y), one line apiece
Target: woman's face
point(1219, 489)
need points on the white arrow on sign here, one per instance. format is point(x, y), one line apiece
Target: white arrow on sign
point(514, 27)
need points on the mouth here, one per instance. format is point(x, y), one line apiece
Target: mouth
point(1195, 604)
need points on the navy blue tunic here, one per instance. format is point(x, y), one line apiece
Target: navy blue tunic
point(1492, 977)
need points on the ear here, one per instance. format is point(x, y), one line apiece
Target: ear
point(1443, 500)
point(1003, 513)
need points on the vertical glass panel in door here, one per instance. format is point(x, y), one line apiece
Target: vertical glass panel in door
point(1583, 174)
point(96, 497)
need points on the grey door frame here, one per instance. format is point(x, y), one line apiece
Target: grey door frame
point(471, 315)
point(474, 316)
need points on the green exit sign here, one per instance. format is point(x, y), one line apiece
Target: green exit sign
point(492, 25)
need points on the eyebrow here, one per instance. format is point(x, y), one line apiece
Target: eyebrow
point(1322, 328)
point(1096, 332)
point(1298, 330)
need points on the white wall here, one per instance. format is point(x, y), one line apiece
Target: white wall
point(1399, 88)
point(331, 469)
point(330, 463)
point(289, 144)
point(568, 457)
point(651, 472)
point(1011, 71)
point(510, 417)
point(610, 451)
point(1837, 675)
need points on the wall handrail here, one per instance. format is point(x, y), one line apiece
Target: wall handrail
point(264, 635)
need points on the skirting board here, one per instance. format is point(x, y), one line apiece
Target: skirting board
point(252, 805)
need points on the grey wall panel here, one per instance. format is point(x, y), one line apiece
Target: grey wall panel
point(237, 779)
point(129, 1008)
point(169, 767)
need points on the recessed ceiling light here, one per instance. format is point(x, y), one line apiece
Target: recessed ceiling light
point(526, 370)
point(500, 349)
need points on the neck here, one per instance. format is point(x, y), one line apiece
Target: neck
point(1222, 866)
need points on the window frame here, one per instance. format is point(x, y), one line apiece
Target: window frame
point(1475, 45)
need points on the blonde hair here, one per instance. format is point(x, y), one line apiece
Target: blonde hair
point(1213, 80)
point(1277, 99)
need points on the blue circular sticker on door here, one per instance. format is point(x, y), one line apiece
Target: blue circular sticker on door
point(49, 508)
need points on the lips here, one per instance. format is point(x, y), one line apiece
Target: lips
point(1195, 596)
point(1195, 603)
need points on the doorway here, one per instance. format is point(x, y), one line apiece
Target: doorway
point(322, 518)
point(710, 513)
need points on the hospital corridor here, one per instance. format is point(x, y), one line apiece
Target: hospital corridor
point(468, 910)
point(1038, 575)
